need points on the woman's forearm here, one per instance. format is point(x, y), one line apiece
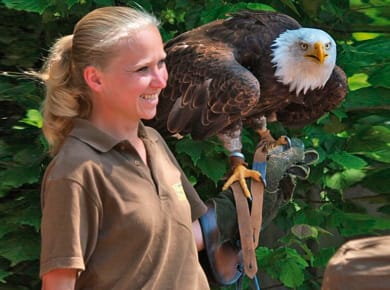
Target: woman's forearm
point(59, 279)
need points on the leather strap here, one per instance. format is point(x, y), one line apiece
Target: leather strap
point(257, 191)
point(247, 239)
point(249, 216)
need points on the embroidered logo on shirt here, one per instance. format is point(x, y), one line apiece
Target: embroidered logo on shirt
point(178, 188)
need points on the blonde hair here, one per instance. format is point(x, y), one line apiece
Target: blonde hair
point(93, 42)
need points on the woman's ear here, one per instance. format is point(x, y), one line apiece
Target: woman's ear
point(92, 77)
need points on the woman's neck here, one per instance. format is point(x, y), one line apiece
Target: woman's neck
point(123, 131)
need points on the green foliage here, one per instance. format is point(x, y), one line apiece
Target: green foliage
point(284, 264)
point(208, 156)
point(350, 181)
point(29, 6)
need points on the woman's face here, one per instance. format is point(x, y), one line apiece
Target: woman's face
point(134, 78)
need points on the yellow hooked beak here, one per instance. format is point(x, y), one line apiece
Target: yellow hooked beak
point(317, 52)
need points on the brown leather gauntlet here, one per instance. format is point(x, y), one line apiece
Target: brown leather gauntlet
point(221, 259)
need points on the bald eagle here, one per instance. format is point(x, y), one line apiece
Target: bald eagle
point(238, 71)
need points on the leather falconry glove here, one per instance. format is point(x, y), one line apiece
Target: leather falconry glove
point(222, 258)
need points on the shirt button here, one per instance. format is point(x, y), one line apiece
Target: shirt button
point(137, 163)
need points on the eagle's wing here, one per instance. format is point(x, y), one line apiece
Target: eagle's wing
point(317, 102)
point(214, 73)
point(208, 90)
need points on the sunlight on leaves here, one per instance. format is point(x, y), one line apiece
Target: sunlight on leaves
point(358, 81)
point(360, 36)
point(33, 118)
point(341, 180)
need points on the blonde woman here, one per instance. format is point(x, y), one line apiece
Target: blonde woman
point(118, 212)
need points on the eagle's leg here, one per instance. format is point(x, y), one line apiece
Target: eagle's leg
point(238, 167)
point(260, 126)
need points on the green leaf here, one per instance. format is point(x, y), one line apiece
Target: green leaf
point(194, 149)
point(366, 98)
point(291, 267)
point(378, 181)
point(380, 77)
point(323, 256)
point(344, 179)
point(364, 57)
point(362, 36)
point(284, 264)
point(71, 3)
point(222, 11)
point(208, 156)
point(4, 274)
point(37, 6)
point(348, 160)
point(104, 2)
point(373, 142)
point(31, 154)
point(358, 81)
point(304, 231)
point(259, 6)
point(263, 253)
point(22, 211)
point(20, 246)
point(310, 216)
point(214, 168)
point(14, 177)
point(291, 5)
point(33, 118)
point(354, 224)
point(292, 275)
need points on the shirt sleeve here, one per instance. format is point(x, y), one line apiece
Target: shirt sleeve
point(69, 227)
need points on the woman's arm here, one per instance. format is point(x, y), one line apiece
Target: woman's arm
point(198, 235)
point(59, 279)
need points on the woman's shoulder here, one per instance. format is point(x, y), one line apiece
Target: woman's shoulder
point(74, 160)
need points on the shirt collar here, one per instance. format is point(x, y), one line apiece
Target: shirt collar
point(86, 132)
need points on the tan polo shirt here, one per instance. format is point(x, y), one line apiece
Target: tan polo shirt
point(123, 224)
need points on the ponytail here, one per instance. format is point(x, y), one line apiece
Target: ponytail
point(64, 99)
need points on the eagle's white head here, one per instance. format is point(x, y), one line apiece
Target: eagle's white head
point(304, 58)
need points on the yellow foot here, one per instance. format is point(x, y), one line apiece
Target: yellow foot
point(282, 140)
point(271, 142)
point(239, 174)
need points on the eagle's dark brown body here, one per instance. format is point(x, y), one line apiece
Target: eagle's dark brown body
point(221, 76)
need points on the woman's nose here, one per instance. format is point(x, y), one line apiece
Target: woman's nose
point(160, 78)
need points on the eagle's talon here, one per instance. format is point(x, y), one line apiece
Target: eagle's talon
point(285, 141)
point(240, 173)
point(282, 140)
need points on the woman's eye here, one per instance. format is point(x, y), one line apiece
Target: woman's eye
point(161, 63)
point(142, 69)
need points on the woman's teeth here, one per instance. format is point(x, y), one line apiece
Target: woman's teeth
point(149, 97)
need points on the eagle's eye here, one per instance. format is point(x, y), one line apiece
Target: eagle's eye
point(303, 45)
point(328, 45)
